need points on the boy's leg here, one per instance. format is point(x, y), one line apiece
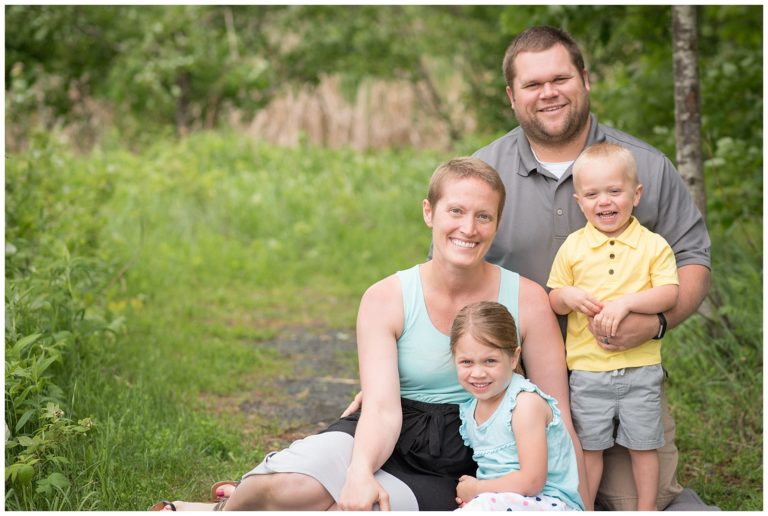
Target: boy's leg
point(645, 467)
point(593, 462)
point(617, 490)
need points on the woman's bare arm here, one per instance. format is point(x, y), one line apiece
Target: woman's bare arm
point(380, 319)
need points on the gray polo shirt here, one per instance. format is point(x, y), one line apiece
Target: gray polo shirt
point(540, 210)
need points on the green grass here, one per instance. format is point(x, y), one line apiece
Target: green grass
point(716, 378)
point(154, 276)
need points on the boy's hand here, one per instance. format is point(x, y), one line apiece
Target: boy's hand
point(467, 488)
point(580, 301)
point(612, 314)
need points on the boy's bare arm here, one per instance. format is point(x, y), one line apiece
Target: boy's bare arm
point(568, 298)
point(651, 301)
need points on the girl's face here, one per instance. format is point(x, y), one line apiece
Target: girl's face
point(484, 371)
point(463, 221)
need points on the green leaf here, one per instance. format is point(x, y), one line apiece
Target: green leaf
point(20, 472)
point(25, 342)
point(55, 479)
point(24, 418)
point(27, 441)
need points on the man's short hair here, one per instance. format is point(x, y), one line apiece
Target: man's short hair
point(539, 39)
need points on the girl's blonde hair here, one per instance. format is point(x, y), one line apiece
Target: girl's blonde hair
point(489, 323)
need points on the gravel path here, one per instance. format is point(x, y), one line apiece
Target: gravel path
point(319, 384)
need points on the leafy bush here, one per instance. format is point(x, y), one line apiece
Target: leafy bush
point(53, 313)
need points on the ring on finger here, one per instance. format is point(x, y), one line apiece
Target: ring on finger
point(605, 340)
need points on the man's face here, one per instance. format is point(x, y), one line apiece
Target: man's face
point(550, 96)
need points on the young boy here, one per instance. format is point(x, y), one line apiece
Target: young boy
point(602, 272)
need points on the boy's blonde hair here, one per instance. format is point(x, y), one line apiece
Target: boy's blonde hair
point(593, 155)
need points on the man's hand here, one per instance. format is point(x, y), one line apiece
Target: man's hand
point(632, 331)
point(360, 492)
point(353, 407)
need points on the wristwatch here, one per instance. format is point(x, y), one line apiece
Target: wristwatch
point(662, 326)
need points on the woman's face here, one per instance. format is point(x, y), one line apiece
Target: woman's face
point(463, 221)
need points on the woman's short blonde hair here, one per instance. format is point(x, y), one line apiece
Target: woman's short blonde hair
point(463, 168)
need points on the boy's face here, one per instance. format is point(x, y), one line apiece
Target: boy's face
point(606, 196)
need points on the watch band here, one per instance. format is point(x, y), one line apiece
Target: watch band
point(662, 326)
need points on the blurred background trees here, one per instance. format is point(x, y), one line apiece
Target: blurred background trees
point(183, 68)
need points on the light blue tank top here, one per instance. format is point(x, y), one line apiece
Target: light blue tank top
point(495, 449)
point(427, 371)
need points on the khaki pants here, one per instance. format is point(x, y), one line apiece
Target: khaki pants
point(617, 488)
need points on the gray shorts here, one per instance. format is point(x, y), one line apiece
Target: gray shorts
point(630, 397)
point(325, 457)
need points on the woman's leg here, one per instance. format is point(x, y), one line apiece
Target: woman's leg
point(183, 506)
point(280, 491)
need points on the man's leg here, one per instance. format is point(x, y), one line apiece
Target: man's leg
point(617, 489)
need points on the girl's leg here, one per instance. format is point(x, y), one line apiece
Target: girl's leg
point(280, 491)
point(645, 467)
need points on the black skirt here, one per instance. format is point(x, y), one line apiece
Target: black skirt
point(429, 456)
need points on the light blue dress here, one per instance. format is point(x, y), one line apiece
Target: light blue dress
point(496, 452)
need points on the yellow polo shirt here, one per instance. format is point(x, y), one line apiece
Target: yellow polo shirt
point(608, 267)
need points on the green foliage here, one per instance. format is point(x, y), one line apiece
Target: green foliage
point(185, 66)
point(54, 313)
point(195, 251)
point(211, 244)
point(715, 386)
point(138, 282)
point(178, 66)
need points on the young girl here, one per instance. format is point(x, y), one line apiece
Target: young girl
point(525, 457)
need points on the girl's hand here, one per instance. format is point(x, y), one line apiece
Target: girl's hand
point(467, 488)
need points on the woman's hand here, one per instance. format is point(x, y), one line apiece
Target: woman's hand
point(361, 491)
point(353, 407)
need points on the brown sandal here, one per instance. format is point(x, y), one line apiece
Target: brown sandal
point(159, 506)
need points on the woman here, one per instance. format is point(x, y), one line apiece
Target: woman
point(403, 450)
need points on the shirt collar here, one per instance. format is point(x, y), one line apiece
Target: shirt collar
point(528, 160)
point(630, 236)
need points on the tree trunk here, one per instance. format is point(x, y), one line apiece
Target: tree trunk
point(687, 114)
point(182, 104)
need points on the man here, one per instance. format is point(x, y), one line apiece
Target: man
point(548, 88)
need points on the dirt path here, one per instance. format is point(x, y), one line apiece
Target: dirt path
point(315, 388)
